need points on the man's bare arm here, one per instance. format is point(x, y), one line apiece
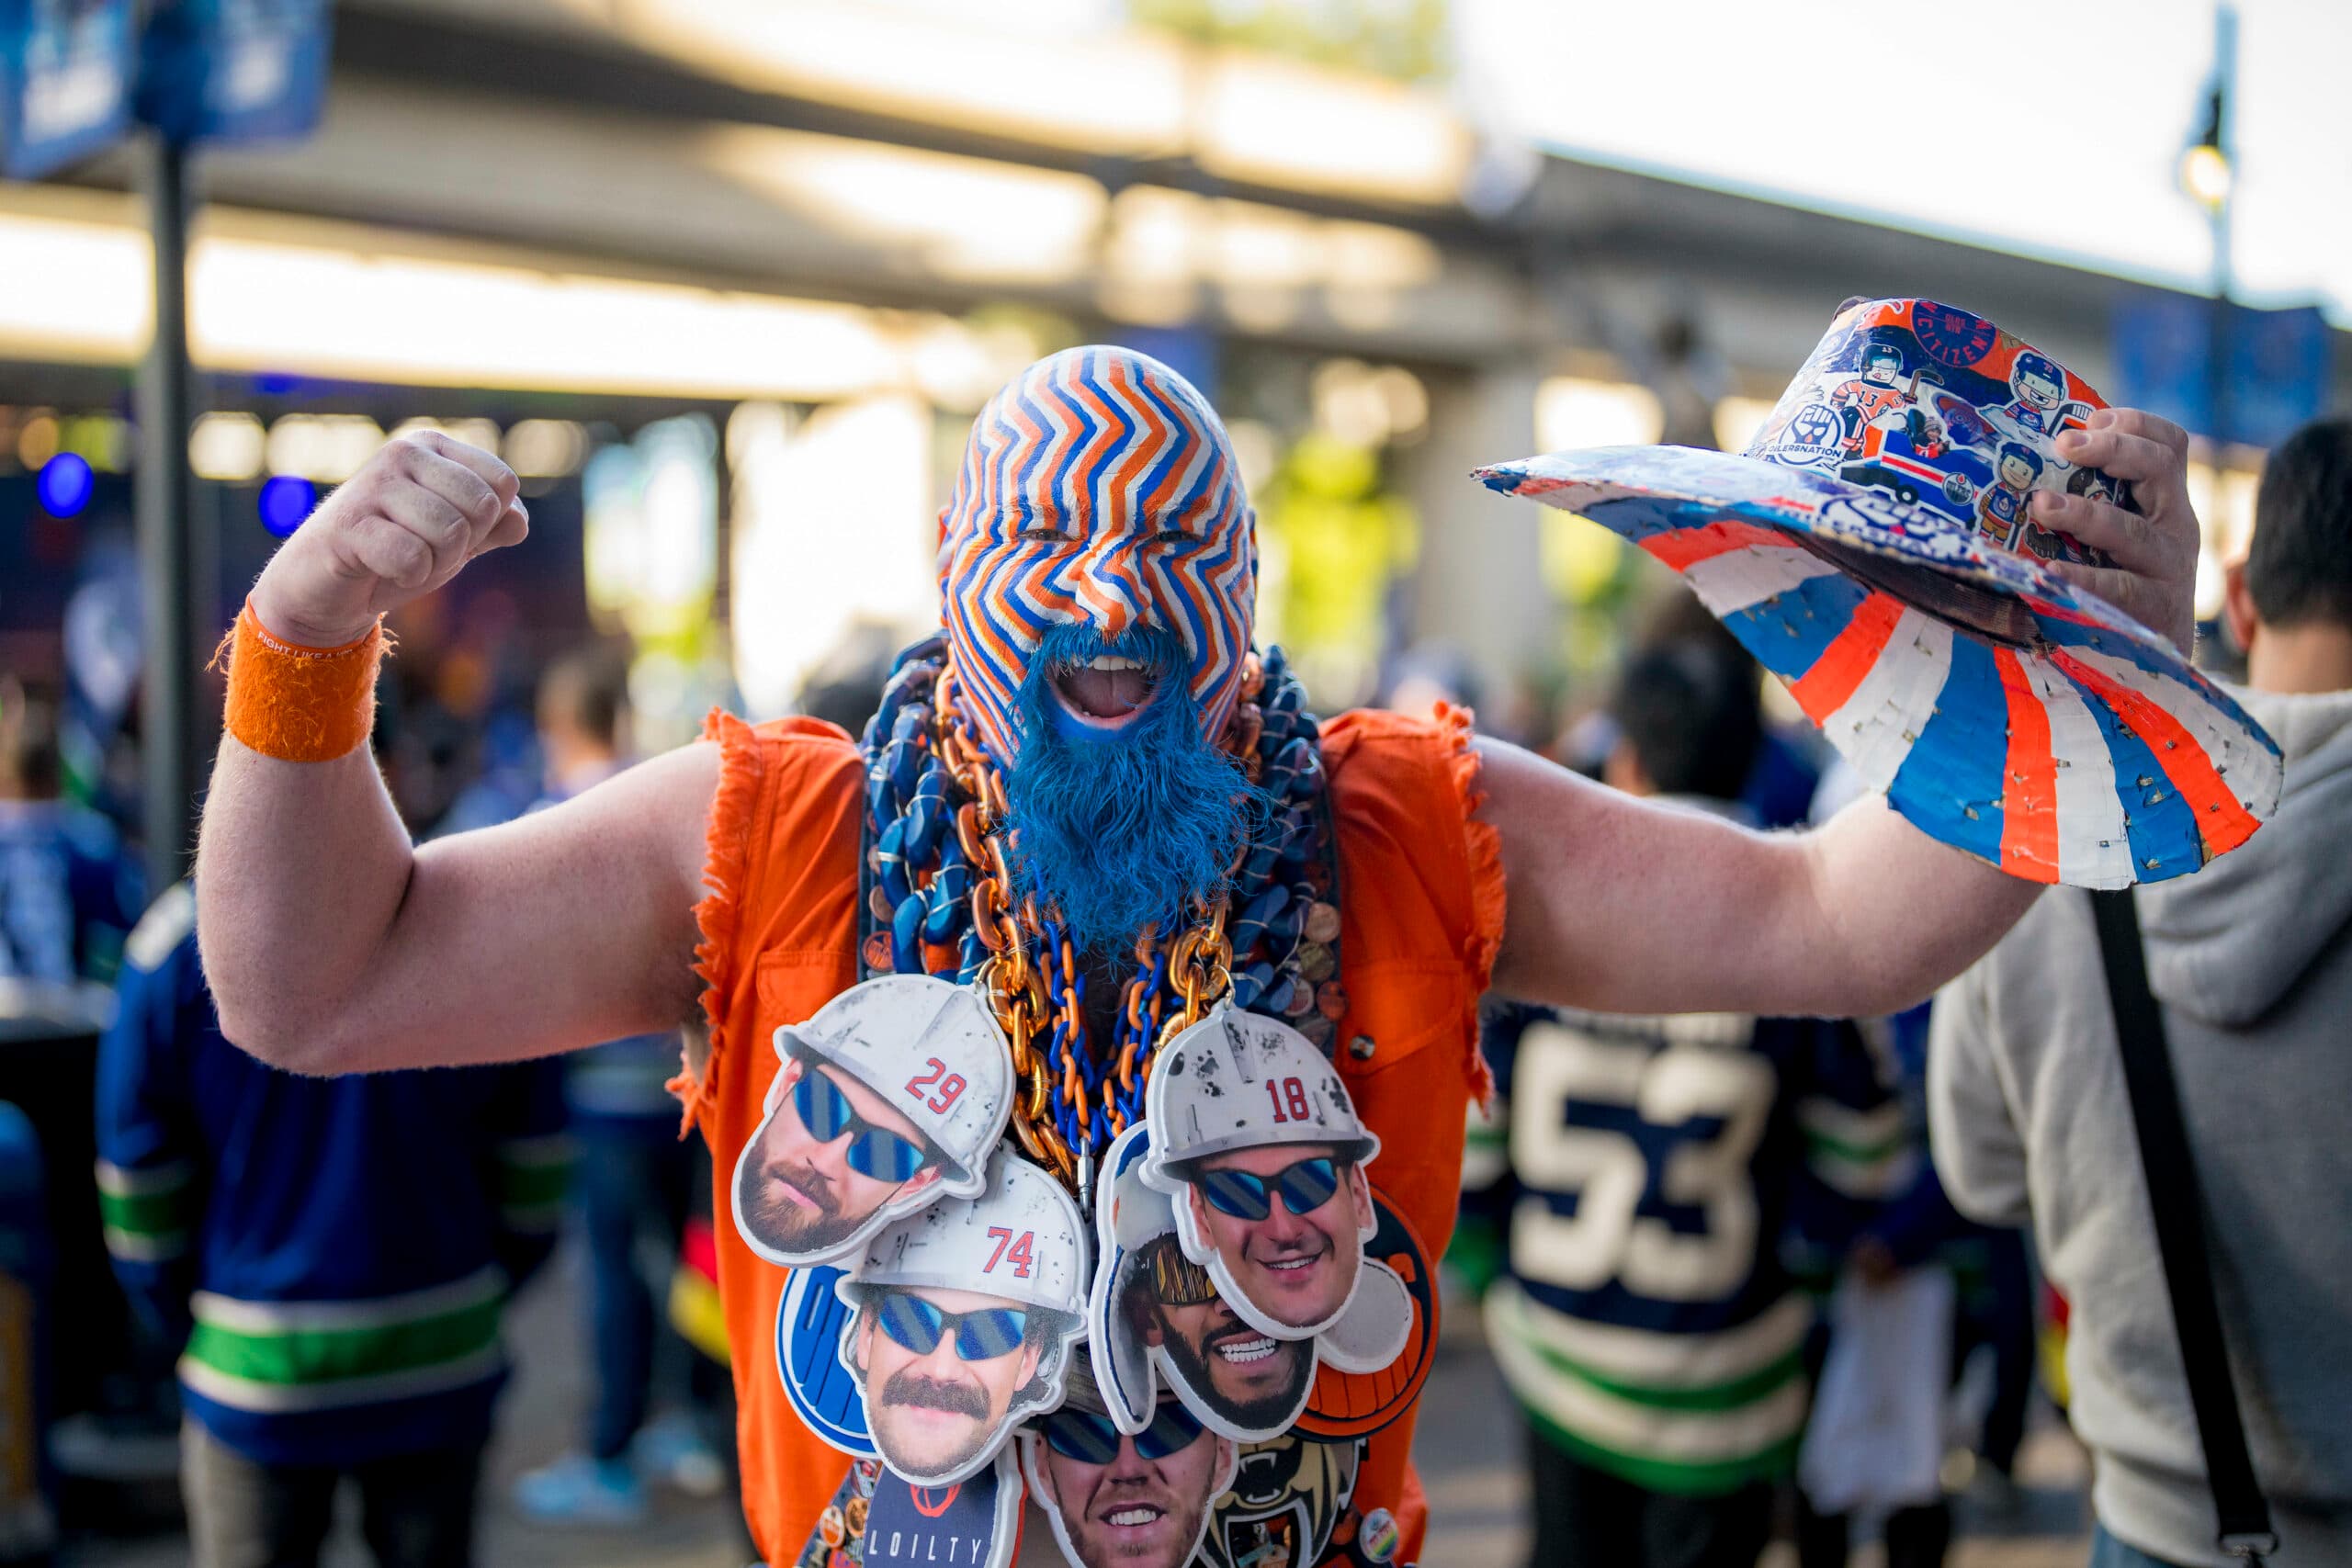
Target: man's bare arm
point(332, 947)
point(1626, 906)
point(1622, 906)
point(330, 944)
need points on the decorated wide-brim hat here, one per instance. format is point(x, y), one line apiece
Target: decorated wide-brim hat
point(1873, 549)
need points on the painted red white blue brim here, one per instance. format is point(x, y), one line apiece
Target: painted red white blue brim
point(2088, 753)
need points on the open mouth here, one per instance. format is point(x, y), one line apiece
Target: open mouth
point(1246, 1351)
point(1106, 691)
point(1135, 1516)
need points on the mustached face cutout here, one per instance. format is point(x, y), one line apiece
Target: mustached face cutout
point(964, 1318)
point(1122, 1499)
point(889, 1099)
point(1257, 1145)
point(1154, 1318)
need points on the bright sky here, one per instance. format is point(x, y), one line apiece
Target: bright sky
point(2048, 127)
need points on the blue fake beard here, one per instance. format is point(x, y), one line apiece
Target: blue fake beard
point(1119, 831)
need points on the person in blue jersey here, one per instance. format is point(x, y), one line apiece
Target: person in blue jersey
point(634, 1184)
point(1642, 1317)
point(332, 1255)
point(69, 892)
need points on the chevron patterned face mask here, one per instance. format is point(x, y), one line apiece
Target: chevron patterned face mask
point(1098, 491)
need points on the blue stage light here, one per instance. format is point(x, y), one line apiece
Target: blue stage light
point(286, 500)
point(64, 485)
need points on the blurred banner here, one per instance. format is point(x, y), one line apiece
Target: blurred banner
point(2275, 372)
point(233, 71)
point(65, 79)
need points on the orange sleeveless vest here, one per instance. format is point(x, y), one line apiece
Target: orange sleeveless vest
point(1421, 907)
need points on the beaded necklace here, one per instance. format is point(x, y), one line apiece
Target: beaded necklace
point(936, 896)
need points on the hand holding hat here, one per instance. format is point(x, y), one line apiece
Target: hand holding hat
point(1940, 541)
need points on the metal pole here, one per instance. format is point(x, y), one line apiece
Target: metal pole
point(2225, 51)
point(167, 409)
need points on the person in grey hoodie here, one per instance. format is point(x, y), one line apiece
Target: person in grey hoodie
point(2251, 959)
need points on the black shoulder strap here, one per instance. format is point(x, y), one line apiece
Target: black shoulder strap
point(2179, 1205)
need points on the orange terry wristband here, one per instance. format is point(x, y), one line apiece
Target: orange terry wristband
point(299, 705)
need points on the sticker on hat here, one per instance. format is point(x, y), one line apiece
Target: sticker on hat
point(964, 1317)
point(1155, 1317)
point(973, 1523)
point(890, 1098)
point(1874, 550)
point(1120, 1499)
point(1256, 1142)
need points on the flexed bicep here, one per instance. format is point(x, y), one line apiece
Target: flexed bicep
point(340, 950)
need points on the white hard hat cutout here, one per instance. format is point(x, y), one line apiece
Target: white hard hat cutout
point(889, 1099)
point(1258, 1145)
point(963, 1318)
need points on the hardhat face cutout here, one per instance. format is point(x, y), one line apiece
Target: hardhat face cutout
point(1259, 1146)
point(1154, 1315)
point(1121, 1499)
point(889, 1099)
point(963, 1318)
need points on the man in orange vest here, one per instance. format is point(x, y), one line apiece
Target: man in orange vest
point(1090, 791)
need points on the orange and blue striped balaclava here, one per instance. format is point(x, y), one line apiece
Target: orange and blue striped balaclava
point(1099, 492)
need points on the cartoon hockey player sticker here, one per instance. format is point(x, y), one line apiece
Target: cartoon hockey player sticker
point(1256, 1142)
point(2002, 505)
point(2040, 394)
point(889, 1099)
point(1155, 1315)
point(1119, 1499)
point(964, 1315)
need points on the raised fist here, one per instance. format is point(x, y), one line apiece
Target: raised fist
point(401, 526)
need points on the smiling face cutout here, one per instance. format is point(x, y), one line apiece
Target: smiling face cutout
point(1252, 1382)
point(1155, 1319)
point(1256, 1141)
point(1287, 1223)
point(1126, 1498)
point(1098, 489)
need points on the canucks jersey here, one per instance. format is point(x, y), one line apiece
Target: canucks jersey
point(1646, 1172)
point(332, 1254)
